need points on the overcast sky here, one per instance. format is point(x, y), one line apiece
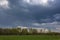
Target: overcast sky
point(30, 13)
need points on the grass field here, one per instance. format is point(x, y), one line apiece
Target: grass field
point(30, 37)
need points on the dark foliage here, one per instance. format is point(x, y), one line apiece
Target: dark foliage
point(18, 31)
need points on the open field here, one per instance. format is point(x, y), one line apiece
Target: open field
point(30, 37)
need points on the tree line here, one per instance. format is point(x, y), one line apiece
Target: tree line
point(19, 31)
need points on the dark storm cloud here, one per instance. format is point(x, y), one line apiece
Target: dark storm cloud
point(23, 14)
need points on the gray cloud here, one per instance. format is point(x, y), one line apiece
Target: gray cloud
point(21, 13)
point(57, 17)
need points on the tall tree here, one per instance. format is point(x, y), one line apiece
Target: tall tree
point(24, 31)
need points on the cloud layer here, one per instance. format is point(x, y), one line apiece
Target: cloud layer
point(18, 12)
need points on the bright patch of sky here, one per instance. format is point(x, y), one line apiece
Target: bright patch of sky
point(39, 2)
point(4, 4)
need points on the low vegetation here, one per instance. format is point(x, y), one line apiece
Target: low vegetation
point(30, 37)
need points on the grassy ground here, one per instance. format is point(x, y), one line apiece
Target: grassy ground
point(30, 37)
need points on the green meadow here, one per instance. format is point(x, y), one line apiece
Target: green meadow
point(30, 37)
